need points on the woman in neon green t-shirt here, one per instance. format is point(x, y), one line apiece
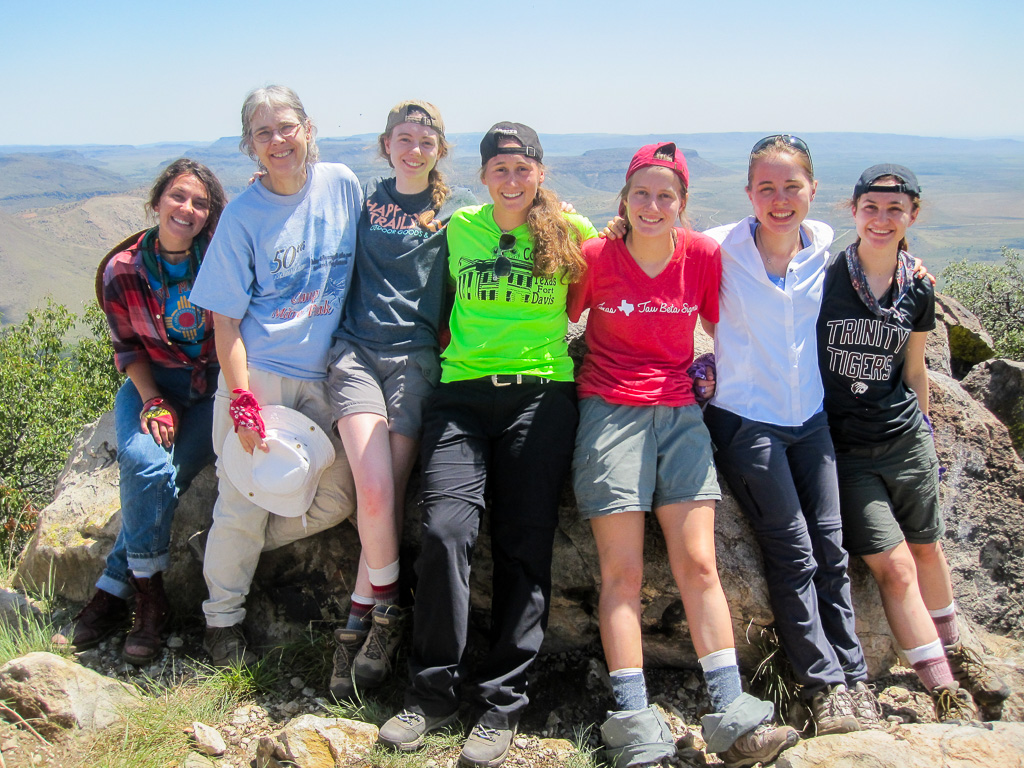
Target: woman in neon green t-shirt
point(504, 419)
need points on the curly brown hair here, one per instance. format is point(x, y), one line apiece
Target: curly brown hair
point(557, 245)
point(204, 175)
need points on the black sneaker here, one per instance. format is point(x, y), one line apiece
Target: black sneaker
point(407, 730)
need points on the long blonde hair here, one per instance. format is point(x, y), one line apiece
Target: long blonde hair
point(556, 242)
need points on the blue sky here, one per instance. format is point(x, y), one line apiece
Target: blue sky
point(127, 72)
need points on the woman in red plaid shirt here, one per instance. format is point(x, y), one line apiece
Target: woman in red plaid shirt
point(164, 411)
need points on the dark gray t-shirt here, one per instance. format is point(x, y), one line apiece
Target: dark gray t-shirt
point(861, 357)
point(398, 283)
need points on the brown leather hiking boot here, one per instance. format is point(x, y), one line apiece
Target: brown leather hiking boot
point(954, 704)
point(103, 615)
point(974, 675)
point(151, 615)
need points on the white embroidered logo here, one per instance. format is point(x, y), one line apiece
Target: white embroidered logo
point(626, 308)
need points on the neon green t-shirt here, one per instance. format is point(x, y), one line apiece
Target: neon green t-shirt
point(513, 324)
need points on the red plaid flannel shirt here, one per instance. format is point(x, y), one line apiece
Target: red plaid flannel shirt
point(135, 314)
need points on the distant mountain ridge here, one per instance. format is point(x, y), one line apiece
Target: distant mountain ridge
point(61, 207)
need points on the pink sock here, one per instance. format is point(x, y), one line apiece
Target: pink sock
point(934, 672)
point(949, 632)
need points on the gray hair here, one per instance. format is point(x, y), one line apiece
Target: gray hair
point(272, 97)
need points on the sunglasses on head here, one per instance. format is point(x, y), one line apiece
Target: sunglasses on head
point(503, 264)
point(790, 141)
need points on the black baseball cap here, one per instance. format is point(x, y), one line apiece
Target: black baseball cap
point(529, 143)
point(908, 181)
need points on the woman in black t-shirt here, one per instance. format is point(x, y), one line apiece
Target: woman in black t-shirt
point(872, 329)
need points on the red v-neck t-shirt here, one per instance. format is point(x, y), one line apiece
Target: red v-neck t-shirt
point(640, 329)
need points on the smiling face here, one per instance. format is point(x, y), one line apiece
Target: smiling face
point(512, 181)
point(280, 139)
point(781, 192)
point(882, 218)
point(654, 201)
point(183, 209)
point(413, 151)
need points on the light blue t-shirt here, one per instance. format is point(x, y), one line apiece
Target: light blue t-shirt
point(281, 264)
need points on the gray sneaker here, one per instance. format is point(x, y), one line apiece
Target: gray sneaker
point(867, 710)
point(833, 711)
point(376, 658)
point(407, 730)
point(228, 647)
point(761, 745)
point(349, 642)
point(486, 747)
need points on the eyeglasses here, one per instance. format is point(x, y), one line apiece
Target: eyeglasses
point(266, 135)
point(503, 264)
point(790, 141)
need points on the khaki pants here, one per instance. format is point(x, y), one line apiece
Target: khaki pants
point(241, 529)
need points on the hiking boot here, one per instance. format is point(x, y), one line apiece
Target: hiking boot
point(407, 730)
point(833, 711)
point(227, 646)
point(103, 615)
point(975, 676)
point(151, 615)
point(761, 745)
point(349, 642)
point(486, 747)
point(953, 704)
point(375, 659)
point(866, 708)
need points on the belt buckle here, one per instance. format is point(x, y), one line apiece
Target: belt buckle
point(495, 380)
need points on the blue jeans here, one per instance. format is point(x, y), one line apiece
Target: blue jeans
point(152, 477)
point(784, 479)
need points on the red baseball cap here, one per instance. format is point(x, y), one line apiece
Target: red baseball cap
point(658, 155)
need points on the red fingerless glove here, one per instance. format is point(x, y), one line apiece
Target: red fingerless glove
point(245, 412)
point(158, 410)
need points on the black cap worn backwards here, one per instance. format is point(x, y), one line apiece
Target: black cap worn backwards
point(529, 143)
point(908, 181)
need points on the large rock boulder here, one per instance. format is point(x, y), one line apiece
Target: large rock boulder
point(55, 693)
point(966, 340)
point(999, 386)
point(309, 581)
point(913, 746)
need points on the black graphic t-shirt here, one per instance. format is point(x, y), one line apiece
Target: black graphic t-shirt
point(861, 357)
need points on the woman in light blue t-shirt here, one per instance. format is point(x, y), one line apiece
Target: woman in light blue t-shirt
point(275, 278)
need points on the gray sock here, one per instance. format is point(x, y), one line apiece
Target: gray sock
point(630, 691)
point(724, 686)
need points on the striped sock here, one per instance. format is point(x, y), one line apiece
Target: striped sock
point(385, 584)
point(945, 624)
point(929, 662)
point(359, 612)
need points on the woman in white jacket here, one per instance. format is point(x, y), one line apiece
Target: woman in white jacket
point(772, 437)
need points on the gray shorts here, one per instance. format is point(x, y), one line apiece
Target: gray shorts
point(889, 493)
point(363, 380)
point(631, 457)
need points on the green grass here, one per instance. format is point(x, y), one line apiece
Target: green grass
point(153, 733)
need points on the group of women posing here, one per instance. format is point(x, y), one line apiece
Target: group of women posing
point(328, 302)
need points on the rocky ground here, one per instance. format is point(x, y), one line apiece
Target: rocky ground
point(569, 698)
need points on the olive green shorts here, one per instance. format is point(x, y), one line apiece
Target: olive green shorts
point(890, 493)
